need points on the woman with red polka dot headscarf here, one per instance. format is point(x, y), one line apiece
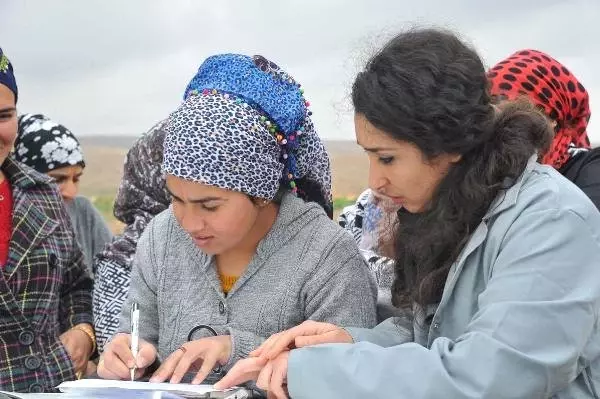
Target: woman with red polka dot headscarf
point(553, 88)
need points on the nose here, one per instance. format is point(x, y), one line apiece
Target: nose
point(191, 222)
point(68, 190)
point(377, 179)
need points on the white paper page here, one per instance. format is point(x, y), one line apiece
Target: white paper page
point(98, 384)
point(31, 395)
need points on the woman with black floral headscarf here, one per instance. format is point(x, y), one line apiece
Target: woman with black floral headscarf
point(51, 148)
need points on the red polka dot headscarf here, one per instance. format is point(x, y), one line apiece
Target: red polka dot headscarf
point(551, 86)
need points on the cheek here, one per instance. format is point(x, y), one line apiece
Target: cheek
point(412, 180)
point(404, 176)
point(233, 223)
point(429, 181)
point(177, 211)
point(8, 132)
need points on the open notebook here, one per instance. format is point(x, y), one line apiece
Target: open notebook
point(139, 389)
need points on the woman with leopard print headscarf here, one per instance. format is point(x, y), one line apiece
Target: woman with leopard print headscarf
point(558, 93)
point(247, 247)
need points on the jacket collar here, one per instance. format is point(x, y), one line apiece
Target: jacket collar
point(32, 196)
point(508, 198)
point(22, 176)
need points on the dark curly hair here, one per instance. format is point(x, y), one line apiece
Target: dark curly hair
point(429, 88)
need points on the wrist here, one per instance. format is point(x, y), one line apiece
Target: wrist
point(88, 330)
point(226, 354)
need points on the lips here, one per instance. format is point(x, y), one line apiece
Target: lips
point(202, 241)
point(397, 200)
point(389, 199)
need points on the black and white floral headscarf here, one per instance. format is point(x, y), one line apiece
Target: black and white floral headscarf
point(46, 145)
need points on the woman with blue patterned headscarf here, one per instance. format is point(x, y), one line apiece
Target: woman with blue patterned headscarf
point(247, 247)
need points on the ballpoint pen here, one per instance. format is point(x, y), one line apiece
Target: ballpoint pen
point(135, 335)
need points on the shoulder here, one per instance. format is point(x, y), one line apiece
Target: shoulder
point(149, 145)
point(161, 226)
point(583, 168)
point(164, 244)
point(320, 235)
point(82, 206)
point(546, 189)
point(163, 234)
point(551, 202)
point(84, 211)
point(36, 188)
point(313, 218)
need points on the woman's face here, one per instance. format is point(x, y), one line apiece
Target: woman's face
point(67, 179)
point(8, 122)
point(217, 220)
point(398, 170)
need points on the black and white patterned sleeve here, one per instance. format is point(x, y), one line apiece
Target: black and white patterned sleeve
point(351, 217)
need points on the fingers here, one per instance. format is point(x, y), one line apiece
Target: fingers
point(279, 377)
point(103, 372)
point(146, 355)
point(122, 349)
point(335, 336)
point(167, 368)
point(272, 377)
point(183, 358)
point(268, 343)
point(91, 368)
point(117, 358)
point(79, 364)
point(264, 377)
point(208, 364)
point(243, 371)
point(282, 342)
point(185, 362)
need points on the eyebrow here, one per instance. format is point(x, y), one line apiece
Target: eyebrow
point(196, 200)
point(58, 174)
point(377, 149)
point(9, 109)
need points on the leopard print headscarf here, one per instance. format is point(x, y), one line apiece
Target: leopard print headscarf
point(245, 126)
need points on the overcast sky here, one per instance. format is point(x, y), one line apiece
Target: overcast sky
point(115, 67)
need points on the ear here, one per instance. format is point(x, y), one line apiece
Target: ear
point(454, 158)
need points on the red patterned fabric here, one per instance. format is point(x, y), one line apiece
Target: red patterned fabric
point(6, 205)
point(550, 85)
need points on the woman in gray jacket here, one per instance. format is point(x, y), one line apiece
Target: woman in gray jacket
point(247, 248)
point(497, 256)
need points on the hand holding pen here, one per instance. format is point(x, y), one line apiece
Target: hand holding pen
point(126, 356)
point(135, 336)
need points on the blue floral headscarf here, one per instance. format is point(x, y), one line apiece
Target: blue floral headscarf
point(245, 126)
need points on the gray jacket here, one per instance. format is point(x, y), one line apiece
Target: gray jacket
point(91, 230)
point(306, 267)
point(518, 317)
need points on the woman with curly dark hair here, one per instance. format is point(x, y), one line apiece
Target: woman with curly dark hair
point(496, 255)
